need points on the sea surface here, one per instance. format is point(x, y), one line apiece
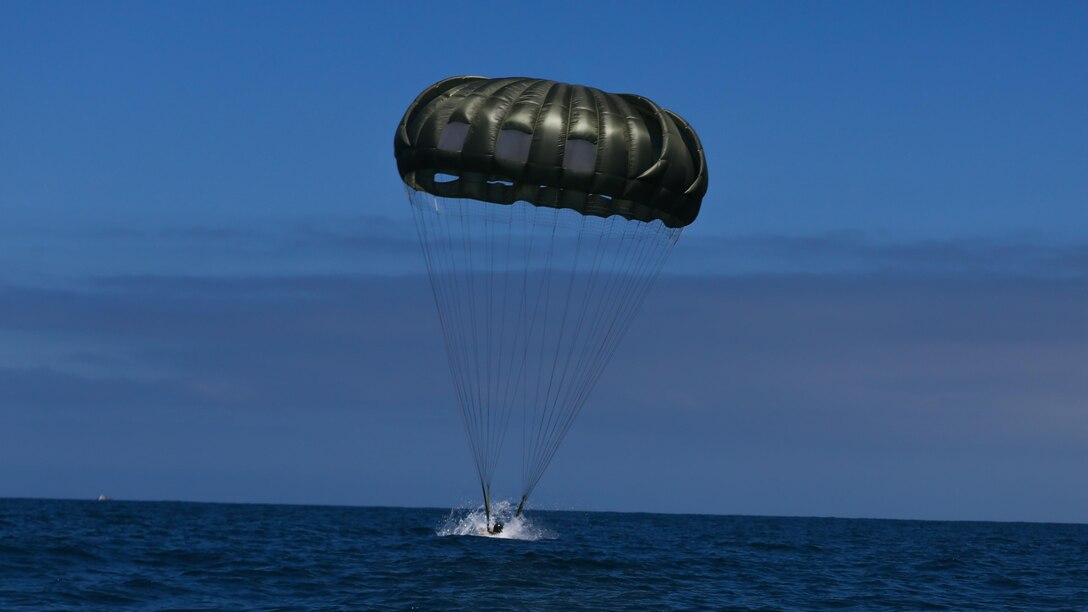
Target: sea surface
point(57, 554)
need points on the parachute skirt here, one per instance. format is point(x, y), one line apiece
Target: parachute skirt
point(533, 302)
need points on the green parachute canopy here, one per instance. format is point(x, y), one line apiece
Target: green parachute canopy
point(552, 144)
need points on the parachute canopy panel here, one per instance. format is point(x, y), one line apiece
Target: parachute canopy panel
point(552, 144)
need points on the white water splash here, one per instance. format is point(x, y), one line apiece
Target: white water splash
point(471, 521)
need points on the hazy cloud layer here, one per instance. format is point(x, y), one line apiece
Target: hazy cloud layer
point(875, 395)
point(388, 245)
point(859, 252)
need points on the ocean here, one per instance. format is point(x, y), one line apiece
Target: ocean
point(65, 554)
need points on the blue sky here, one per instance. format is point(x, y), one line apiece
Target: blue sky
point(210, 287)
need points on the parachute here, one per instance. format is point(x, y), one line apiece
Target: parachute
point(545, 212)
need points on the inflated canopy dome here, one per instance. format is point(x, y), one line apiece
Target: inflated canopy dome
point(552, 144)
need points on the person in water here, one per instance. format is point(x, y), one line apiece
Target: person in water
point(496, 529)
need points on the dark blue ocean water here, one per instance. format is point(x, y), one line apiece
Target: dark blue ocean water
point(162, 555)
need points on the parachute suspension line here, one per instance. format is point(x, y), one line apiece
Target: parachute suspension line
point(442, 291)
point(552, 218)
point(642, 257)
point(499, 221)
point(543, 407)
point(529, 228)
point(638, 291)
point(545, 434)
point(451, 266)
point(459, 293)
point(556, 407)
point(594, 275)
point(500, 229)
point(487, 266)
point(479, 252)
point(467, 251)
point(524, 326)
point(647, 265)
point(532, 301)
point(621, 303)
point(459, 279)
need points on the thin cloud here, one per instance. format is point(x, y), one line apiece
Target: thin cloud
point(858, 252)
point(375, 244)
point(303, 245)
point(969, 391)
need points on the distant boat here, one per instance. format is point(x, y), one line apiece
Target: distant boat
point(104, 498)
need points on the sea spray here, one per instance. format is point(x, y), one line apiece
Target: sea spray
point(472, 521)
